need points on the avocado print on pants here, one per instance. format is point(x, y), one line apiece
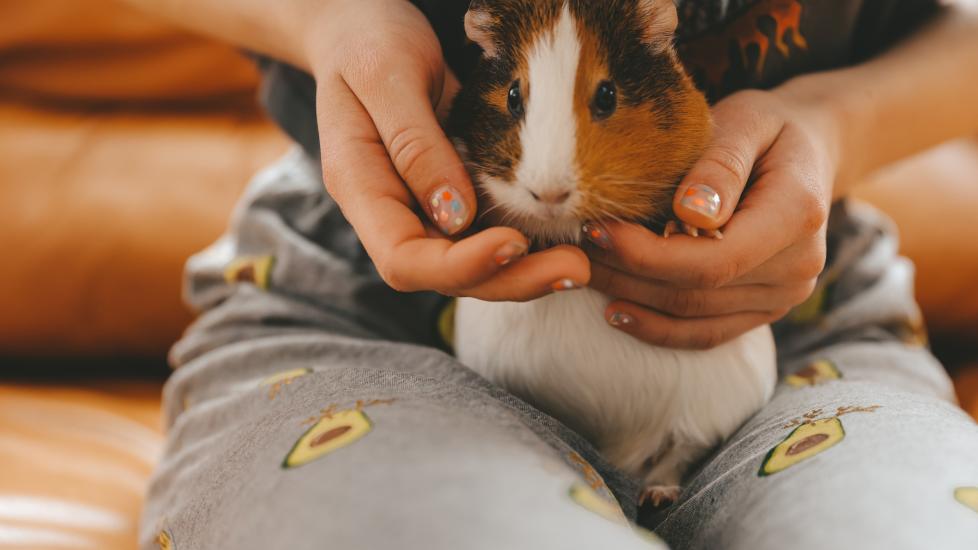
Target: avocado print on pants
point(967, 496)
point(811, 436)
point(333, 429)
point(329, 434)
point(276, 382)
point(609, 509)
point(817, 372)
point(164, 540)
point(590, 500)
point(256, 270)
point(804, 442)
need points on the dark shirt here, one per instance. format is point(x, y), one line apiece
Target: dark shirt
point(727, 45)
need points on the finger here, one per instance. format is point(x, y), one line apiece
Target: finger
point(802, 261)
point(780, 210)
point(401, 105)
point(687, 303)
point(710, 192)
point(450, 89)
point(700, 333)
point(360, 177)
point(535, 276)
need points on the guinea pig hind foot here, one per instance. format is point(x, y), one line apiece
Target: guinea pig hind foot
point(676, 227)
point(659, 496)
point(664, 473)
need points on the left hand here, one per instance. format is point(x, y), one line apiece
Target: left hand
point(698, 293)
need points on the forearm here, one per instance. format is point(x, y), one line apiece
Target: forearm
point(273, 27)
point(919, 94)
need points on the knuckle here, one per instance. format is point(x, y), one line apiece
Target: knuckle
point(730, 161)
point(408, 146)
point(684, 303)
point(814, 212)
point(715, 276)
point(812, 266)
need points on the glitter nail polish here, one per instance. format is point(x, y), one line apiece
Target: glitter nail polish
point(621, 320)
point(448, 209)
point(703, 199)
point(564, 284)
point(597, 235)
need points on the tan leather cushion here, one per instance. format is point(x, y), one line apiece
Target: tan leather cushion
point(103, 50)
point(74, 463)
point(99, 210)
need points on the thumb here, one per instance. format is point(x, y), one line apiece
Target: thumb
point(400, 106)
point(710, 192)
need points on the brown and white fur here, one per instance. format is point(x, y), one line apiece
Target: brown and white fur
point(550, 157)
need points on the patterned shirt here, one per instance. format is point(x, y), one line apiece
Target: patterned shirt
point(727, 45)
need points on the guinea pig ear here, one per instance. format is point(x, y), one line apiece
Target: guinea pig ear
point(659, 20)
point(479, 28)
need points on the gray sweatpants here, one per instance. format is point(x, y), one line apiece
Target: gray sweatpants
point(313, 407)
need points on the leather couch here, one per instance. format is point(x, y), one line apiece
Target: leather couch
point(123, 146)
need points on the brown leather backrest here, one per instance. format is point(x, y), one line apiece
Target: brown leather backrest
point(105, 51)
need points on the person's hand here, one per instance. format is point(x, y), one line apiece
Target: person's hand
point(381, 78)
point(686, 292)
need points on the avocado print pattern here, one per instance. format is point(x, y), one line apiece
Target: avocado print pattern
point(164, 540)
point(591, 476)
point(256, 270)
point(812, 435)
point(804, 442)
point(277, 382)
point(967, 496)
point(333, 429)
point(330, 434)
point(817, 372)
point(446, 323)
point(609, 509)
point(590, 500)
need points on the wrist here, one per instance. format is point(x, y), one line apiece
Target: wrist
point(833, 118)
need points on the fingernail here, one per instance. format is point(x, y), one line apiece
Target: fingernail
point(597, 235)
point(509, 253)
point(565, 284)
point(621, 320)
point(448, 210)
point(703, 199)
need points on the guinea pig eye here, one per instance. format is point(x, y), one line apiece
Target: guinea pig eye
point(605, 101)
point(515, 100)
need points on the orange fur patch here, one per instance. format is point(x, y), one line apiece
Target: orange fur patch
point(629, 164)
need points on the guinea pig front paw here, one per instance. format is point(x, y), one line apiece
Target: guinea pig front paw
point(675, 227)
point(659, 496)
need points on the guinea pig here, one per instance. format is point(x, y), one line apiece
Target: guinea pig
point(580, 111)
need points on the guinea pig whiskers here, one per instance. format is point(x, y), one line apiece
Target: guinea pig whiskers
point(489, 210)
point(610, 208)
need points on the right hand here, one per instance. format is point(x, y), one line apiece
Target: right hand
point(381, 78)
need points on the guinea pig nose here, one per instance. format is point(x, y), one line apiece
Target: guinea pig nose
point(552, 197)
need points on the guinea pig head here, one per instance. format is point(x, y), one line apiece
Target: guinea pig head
point(578, 110)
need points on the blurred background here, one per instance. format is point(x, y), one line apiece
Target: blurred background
point(124, 144)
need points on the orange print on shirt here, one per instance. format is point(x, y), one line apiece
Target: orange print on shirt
point(708, 53)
